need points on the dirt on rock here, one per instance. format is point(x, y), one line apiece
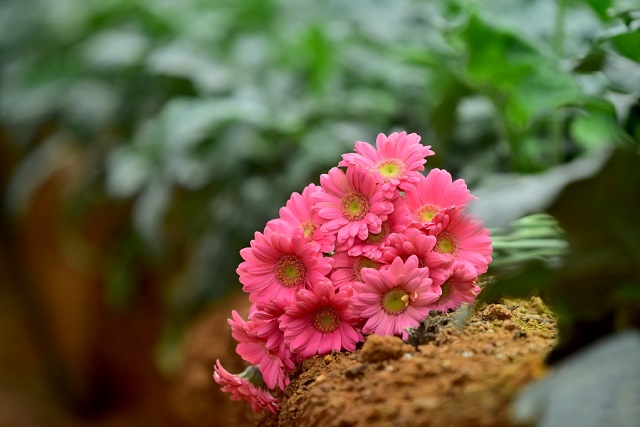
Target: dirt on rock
point(458, 372)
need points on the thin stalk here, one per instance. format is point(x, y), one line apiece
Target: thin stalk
point(558, 47)
point(508, 134)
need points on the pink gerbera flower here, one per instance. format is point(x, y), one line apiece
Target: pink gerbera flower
point(458, 285)
point(351, 204)
point(373, 246)
point(346, 269)
point(298, 216)
point(395, 298)
point(275, 362)
point(319, 322)
point(266, 323)
point(277, 266)
point(434, 193)
point(395, 163)
point(414, 242)
point(243, 387)
point(462, 238)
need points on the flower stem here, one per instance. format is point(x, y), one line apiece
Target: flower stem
point(558, 48)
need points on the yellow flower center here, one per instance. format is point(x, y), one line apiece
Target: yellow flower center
point(364, 262)
point(355, 206)
point(390, 168)
point(395, 301)
point(308, 228)
point(325, 319)
point(447, 243)
point(446, 293)
point(290, 271)
point(427, 212)
point(377, 238)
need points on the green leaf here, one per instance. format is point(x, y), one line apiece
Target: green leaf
point(592, 62)
point(628, 44)
point(522, 80)
point(632, 125)
point(601, 8)
point(595, 131)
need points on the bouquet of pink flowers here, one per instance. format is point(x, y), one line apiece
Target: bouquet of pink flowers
point(373, 249)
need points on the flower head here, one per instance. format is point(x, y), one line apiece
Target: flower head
point(395, 161)
point(320, 321)
point(414, 242)
point(374, 245)
point(346, 269)
point(395, 298)
point(434, 193)
point(458, 285)
point(243, 387)
point(275, 363)
point(297, 216)
point(351, 204)
point(276, 266)
point(265, 323)
point(463, 238)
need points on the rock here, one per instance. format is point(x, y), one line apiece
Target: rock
point(496, 312)
point(378, 349)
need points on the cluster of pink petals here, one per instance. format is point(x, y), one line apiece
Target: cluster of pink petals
point(457, 284)
point(321, 321)
point(260, 274)
point(434, 193)
point(374, 245)
point(267, 352)
point(372, 249)
point(406, 279)
point(402, 152)
point(462, 238)
point(242, 389)
point(351, 205)
point(298, 216)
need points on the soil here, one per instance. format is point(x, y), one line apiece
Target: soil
point(458, 372)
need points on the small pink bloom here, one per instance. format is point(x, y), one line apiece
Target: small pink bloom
point(298, 216)
point(458, 285)
point(351, 204)
point(395, 298)
point(374, 245)
point(415, 242)
point(434, 193)
point(319, 322)
point(242, 387)
point(346, 270)
point(276, 266)
point(463, 238)
point(266, 323)
point(395, 163)
point(275, 362)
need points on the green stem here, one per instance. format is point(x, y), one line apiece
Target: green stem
point(509, 136)
point(558, 48)
point(558, 28)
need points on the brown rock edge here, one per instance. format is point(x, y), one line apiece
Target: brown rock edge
point(464, 376)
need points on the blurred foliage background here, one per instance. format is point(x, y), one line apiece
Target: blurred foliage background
point(170, 131)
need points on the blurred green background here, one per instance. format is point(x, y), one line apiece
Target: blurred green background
point(142, 143)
